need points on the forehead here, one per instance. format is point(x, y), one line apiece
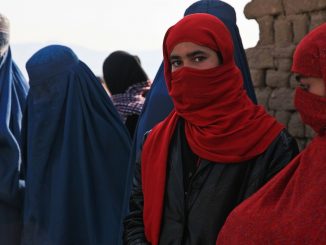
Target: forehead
point(186, 48)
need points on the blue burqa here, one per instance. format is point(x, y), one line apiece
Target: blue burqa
point(13, 91)
point(158, 103)
point(75, 156)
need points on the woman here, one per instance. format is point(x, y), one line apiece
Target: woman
point(13, 91)
point(76, 154)
point(291, 208)
point(128, 84)
point(158, 103)
point(215, 148)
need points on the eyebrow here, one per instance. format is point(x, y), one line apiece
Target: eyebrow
point(192, 54)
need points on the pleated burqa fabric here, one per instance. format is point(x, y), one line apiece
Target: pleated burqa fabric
point(13, 91)
point(75, 157)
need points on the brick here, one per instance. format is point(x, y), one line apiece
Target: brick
point(259, 8)
point(302, 6)
point(258, 78)
point(283, 32)
point(260, 58)
point(266, 30)
point(277, 79)
point(309, 132)
point(283, 117)
point(281, 99)
point(296, 127)
point(317, 19)
point(300, 24)
point(284, 64)
point(284, 52)
point(263, 95)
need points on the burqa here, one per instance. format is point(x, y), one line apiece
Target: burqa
point(13, 91)
point(75, 156)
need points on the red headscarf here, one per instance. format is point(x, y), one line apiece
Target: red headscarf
point(221, 123)
point(291, 208)
point(310, 61)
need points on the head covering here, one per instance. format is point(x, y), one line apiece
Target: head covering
point(309, 58)
point(131, 102)
point(227, 15)
point(4, 34)
point(158, 103)
point(291, 208)
point(222, 124)
point(76, 157)
point(121, 70)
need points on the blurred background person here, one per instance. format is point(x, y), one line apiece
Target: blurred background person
point(13, 91)
point(128, 84)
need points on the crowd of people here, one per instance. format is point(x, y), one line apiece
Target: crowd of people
point(188, 159)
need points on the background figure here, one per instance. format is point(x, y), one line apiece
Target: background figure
point(76, 154)
point(158, 103)
point(13, 91)
point(291, 208)
point(128, 85)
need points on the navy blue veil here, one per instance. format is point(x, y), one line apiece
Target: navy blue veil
point(13, 91)
point(76, 154)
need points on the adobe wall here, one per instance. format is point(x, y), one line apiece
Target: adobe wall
point(282, 24)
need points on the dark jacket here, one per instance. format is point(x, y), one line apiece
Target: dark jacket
point(195, 207)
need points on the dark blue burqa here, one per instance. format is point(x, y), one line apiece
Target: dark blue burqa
point(158, 103)
point(76, 155)
point(13, 91)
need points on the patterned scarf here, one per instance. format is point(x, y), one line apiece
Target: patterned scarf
point(132, 101)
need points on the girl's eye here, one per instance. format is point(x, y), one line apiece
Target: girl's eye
point(304, 86)
point(175, 63)
point(199, 58)
point(300, 84)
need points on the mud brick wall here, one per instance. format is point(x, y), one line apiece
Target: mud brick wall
point(282, 24)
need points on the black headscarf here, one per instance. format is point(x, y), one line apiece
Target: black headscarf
point(121, 70)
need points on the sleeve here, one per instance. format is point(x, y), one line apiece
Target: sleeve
point(134, 233)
